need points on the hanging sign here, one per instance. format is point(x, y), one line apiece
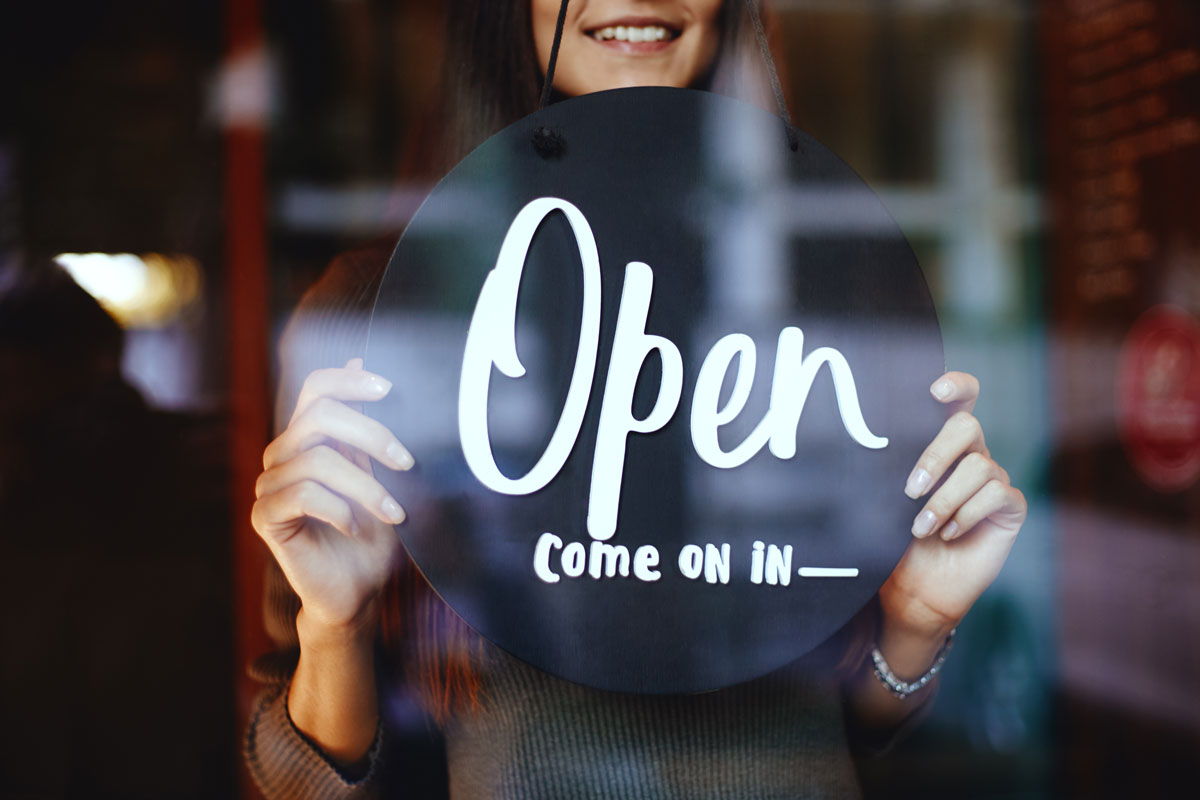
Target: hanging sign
point(663, 389)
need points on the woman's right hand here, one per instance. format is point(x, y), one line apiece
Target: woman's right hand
point(321, 511)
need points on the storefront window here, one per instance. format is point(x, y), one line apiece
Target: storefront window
point(175, 180)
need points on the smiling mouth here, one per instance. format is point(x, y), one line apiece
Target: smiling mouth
point(634, 34)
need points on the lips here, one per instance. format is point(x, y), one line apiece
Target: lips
point(635, 34)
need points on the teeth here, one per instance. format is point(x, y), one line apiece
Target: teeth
point(621, 33)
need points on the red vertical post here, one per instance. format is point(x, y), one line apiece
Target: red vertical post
point(246, 286)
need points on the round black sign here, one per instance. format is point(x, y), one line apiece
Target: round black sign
point(663, 390)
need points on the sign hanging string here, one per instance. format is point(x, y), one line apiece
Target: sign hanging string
point(558, 32)
point(793, 136)
point(547, 141)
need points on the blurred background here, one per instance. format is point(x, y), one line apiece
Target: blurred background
point(173, 176)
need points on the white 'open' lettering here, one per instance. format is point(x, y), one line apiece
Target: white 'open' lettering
point(491, 341)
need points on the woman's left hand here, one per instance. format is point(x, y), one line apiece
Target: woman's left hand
point(963, 533)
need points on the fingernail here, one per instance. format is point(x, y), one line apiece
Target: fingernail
point(918, 482)
point(378, 385)
point(399, 456)
point(942, 389)
point(923, 524)
point(393, 510)
point(950, 530)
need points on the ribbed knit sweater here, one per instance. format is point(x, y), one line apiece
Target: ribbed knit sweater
point(533, 735)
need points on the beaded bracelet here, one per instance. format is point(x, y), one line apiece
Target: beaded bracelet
point(901, 688)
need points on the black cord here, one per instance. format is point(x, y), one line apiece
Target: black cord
point(558, 31)
point(793, 136)
point(548, 142)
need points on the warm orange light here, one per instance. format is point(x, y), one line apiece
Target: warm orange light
point(146, 291)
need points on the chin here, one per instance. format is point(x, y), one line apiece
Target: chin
point(627, 79)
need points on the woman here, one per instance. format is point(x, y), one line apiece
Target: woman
point(511, 730)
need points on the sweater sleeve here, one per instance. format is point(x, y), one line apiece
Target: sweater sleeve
point(327, 329)
point(283, 761)
point(286, 764)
